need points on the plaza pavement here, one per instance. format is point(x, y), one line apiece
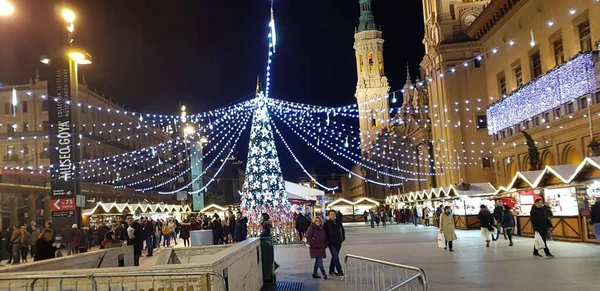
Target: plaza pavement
point(471, 266)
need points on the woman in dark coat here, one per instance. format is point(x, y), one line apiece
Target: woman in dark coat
point(240, 231)
point(316, 238)
point(185, 233)
point(45, 248)
point(217, 227)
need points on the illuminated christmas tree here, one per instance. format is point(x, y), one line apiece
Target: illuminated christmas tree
point(264, 188)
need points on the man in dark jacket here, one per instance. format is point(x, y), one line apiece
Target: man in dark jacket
point(136, 237)
point(595, 217)
point(302, 225)
point(335, 236)
point(149, 232)
point(498, 213)
point(539, 222)
point(241, 227)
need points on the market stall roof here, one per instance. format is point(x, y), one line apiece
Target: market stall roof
point(563, 173)
point(529, 177)
point(475, 189)
point(105, 208)
point(299, 192)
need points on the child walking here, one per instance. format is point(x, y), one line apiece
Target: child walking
point(316, 238)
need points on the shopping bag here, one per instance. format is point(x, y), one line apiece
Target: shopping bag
point(538, 242)
point(441, 241)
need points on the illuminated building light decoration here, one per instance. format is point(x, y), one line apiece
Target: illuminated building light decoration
point(564, 83)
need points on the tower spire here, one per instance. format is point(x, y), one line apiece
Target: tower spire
point(367, 20)
point(408, 73)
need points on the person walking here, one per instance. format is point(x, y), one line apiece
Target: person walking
point(67, 238)
point(25, 242)
point(415, 213)
point(35, 234)
point(45, 246)
point(498, 213)
point(241, 227)
point(366, 217)
point(15, 243)
point(383, 218)
point(157, 233)
point(301, 225)
point(231, 222)
point(438, 213)
point(185, 233)
point(136, 238)
point(377, 218)
point(336, 235)
point(217, 228)
point(372, 215)
point(447, 227)
point(76, 239)
point(539, 222)
point(149, 232)
point(166, 234)
point(426, 214)
point(316, 238)
point(508, 223)
point(486, 221)
point(595, 217)
point(549, 214)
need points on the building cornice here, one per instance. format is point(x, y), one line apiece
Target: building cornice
point(493, 17)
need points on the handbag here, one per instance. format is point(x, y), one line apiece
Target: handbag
point(441, 241)
point(491, 228)
point(538, 242)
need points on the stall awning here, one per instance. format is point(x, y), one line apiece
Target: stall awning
point(299, 192)
point(105, 208)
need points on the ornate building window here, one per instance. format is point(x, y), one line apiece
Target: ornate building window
point(361, 63)
point(585, 37)
point(380, 58)
point(371, 63)
point(536, 65)
point(559, 55)
point(374, 121)
point(518, 75)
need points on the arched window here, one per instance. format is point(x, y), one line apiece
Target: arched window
point(371, 64)
point(380, 57)
point(361, 63)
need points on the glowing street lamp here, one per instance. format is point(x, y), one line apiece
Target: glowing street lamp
point(6, 8)
point(68, 15)
point(80, 57)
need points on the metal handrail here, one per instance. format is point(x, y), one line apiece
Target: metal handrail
point(94, 283)
point(421, 272)
point(405, 282)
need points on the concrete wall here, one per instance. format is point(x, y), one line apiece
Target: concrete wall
point(106, 258)
point(240, 265)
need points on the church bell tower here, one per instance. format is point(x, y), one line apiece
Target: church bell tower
point(372, 88)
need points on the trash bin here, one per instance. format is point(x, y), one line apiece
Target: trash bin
point(268, 259)
point(201, 238)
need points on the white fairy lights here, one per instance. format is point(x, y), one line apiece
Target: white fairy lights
point(564, 83)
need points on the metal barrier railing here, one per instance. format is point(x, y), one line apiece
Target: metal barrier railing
point(364, 274)
point(158, 281)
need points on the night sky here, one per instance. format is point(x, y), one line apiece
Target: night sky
point(151, 54)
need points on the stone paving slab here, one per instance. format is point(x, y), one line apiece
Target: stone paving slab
point(471, 267)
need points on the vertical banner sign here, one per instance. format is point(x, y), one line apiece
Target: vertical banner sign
point(196, 165)
point(63, 157)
